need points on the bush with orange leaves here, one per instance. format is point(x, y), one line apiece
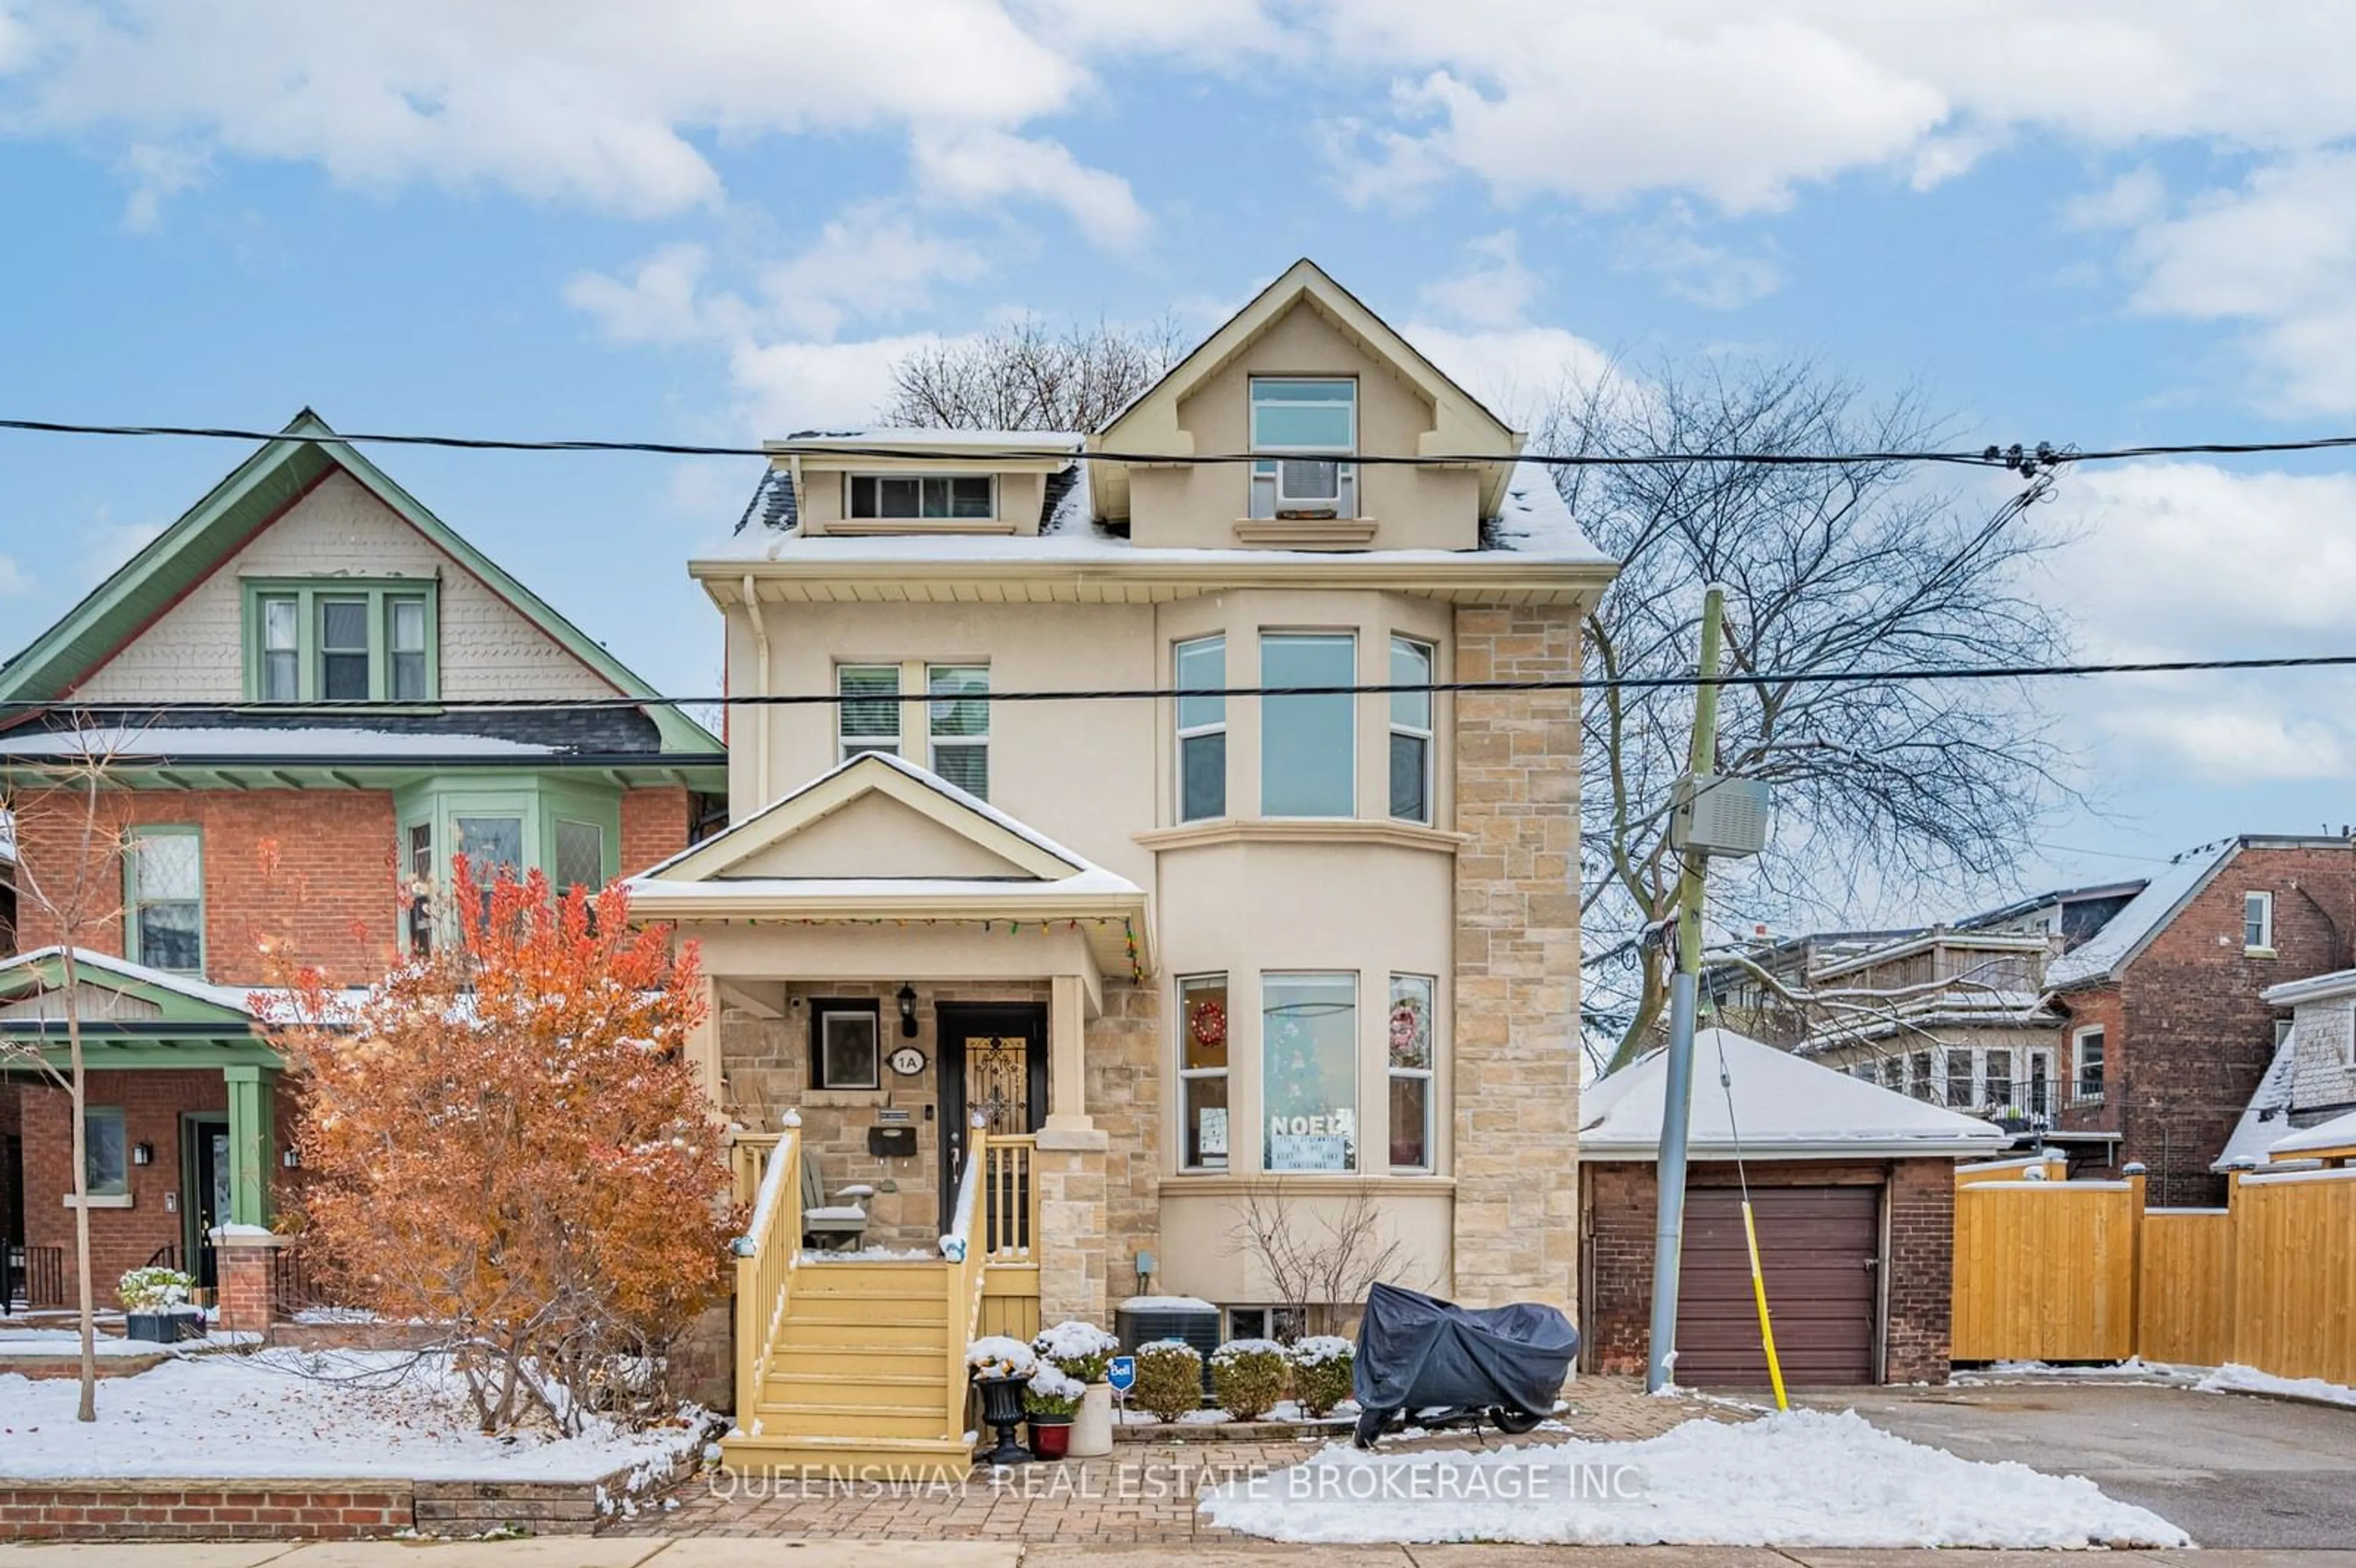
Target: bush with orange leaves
point(504, 1136)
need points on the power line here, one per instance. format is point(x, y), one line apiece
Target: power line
point(2016, 457)
point(1146, 693)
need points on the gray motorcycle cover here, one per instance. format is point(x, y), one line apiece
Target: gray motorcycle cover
point(1417, 1352)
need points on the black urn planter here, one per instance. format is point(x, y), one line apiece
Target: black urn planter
point(1002, 1407)
point(164, 1328)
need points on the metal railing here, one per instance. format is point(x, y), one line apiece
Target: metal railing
point(31, 1277)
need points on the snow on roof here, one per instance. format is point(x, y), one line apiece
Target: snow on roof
point(2337, 1132)
point(2314, 988)
point(2262, 1119)
point(2125, 932)
point(917, 437)
point(123, 968)
point(1785, 1108)
point(279, 742)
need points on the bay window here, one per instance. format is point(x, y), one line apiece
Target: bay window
point(1307, 744)
point(1411, 664)
point(1311, 427)
point(1203, 1072)
point(1201, 666)
point(1309, 1071)
point(1411, 1067)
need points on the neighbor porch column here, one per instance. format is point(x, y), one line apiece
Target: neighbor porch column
point(252, 1090)
point(1067, 1107)
point(703, 1042)
point(1069, 1166)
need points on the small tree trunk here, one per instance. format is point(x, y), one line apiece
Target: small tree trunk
point(78, 1093)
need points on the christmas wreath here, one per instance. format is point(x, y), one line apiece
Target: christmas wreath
point(1209, 1024)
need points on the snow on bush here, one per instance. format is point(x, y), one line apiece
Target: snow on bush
point(1250, 1376)
point(151, 1289)
point(1806, 1478)
point(1169, 1378)
point(1080, 1350)
point(996, 1356)
point(1321, 1372)
point(1052, 1391)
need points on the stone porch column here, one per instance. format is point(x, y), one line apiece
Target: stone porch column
point(1067, 1011)
point(1069, 1168)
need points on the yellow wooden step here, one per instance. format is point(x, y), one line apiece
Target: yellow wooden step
point(855, 1385)
point(823, 1329)
point(837, 1420)
point(914, 1459)
point(843, 1359)
point(860, 1279)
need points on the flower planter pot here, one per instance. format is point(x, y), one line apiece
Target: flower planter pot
point(1051, 1436)
point(1092, 1425)
point(163, 1327)
point(1002, 1407)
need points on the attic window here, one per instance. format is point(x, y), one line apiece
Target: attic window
point(921, 497)
point(1314, 425)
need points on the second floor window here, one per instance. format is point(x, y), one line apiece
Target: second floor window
point(339, 640)
point(960, 725)
point(1411, 732)
point(164, 899)
point(2086, 1069)
point(2258, 922)
point(1202, 665)
point(1307, 744)
point(1313, 427)
point(867, 717)
point(919, 497)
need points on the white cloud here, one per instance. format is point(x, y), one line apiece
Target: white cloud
point(789, 386)
point(1516, 371)
point(1492, 290)
point(662, 301)
point(873, 261)
point(2135, 197)
point(1670, 251)
point(157, 172)
point(976, 168)
point(15, 580)
point(2192, 561)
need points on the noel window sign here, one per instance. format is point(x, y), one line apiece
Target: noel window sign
point(1310, 1071)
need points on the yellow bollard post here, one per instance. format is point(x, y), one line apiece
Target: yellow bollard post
point(1759, 1292)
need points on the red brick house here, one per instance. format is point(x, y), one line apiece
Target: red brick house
point(2166, 1031)
point(305, 578)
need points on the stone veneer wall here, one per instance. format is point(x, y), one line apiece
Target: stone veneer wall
point(1124, 1097)
point(1517, 1049)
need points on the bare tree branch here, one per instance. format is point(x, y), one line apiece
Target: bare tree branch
point(1029, 375)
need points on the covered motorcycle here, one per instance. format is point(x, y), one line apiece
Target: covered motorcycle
point(1418, 1354)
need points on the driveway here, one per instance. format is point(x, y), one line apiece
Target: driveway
point(2234, 1470)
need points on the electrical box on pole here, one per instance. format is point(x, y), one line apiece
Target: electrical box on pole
point(1713, 814)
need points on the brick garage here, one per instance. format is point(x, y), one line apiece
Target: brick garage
point(1853, 1189)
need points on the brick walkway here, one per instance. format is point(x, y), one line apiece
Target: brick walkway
point(1144, 1495)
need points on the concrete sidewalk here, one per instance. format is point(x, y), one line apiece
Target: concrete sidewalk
point(740, 1553)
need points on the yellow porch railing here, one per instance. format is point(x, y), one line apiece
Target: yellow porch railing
point(1012, 1195)
point(749, 1156)
point(764, 1262)
point(968, 1266)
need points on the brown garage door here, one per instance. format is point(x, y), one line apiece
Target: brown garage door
point(1817, 1247)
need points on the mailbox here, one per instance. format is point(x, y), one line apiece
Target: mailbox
point(891, 1142)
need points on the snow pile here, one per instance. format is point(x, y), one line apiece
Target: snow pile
point(996, 1356)
point(2133, 1370)
point(2233, 1378)
point(309, 1414)
point(1806, 1479)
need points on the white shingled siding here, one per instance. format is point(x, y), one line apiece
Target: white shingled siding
point(194, 649)
point(2323, 1074)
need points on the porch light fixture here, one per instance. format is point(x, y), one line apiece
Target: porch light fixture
point(143, 1154)
point(292, 1158)
point(907, 998)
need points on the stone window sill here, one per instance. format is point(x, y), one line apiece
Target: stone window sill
point(101, 1201)
point(844, 1099)
point(1302, 1184)
point(2259, 952)
point(1303, 830)
point(1308, 533)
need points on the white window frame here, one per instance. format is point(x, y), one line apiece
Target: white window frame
point(2263, 905)
point(851, 487)
point(1947, 1061)
point(1186, 732)
point(1269, 495)
point(1426, 734)
point(938, 743)
point(1429, 1073)
point(846, 744)
point(2038, 1056)
point(1192, 1074)
point(1269, 704)
point(1986, 1081)
point(2078, 1037)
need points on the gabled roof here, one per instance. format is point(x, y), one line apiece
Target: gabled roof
point(177, 997)
point(1785, 1108)
point(1463, 425)
point(253, 495)
point(2105, 956)
point(878, 838)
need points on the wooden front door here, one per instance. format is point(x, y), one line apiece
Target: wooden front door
point(993, 1060)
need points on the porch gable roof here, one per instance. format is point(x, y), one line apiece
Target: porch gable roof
point(132, 1016)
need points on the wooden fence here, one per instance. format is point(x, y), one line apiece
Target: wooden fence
point(2081, 1271)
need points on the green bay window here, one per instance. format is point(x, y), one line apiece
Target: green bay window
point(1201, 667)
point(1308, 743)
point(570, 830)
point(338, 639)
point(1309, 1071)
point(164, 899)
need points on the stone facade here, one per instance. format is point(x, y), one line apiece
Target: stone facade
point(1124, 1099)
point(1917, 1210)
point(1516, 1001)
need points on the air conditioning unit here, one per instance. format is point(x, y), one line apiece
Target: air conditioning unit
point(1716, 813)
point(1144, 1319)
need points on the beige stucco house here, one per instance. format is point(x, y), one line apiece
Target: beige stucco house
point(1178, 953)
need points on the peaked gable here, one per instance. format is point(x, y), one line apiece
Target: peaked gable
point(305, 464)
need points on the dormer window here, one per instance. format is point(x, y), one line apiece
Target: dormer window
point(925, 497)
point(1314, 425)
point(341, 639)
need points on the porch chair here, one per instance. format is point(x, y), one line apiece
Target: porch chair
point(831, 1225)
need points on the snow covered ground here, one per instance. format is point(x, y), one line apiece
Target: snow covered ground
point(308, 1414)
point(2232, 1379)
point(1808, 1478)
point(48, 1343)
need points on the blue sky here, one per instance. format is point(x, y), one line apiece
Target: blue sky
point(2095, 221)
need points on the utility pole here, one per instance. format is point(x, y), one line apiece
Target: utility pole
point(1676, 1098)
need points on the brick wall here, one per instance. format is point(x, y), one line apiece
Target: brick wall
point(1517, 1003)
point(1618, 1205)
point(654, 826)
point(332, 895)
point(2191, 1033)
point(221, 1511)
